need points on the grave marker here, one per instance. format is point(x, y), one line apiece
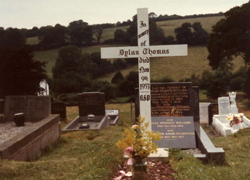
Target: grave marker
point(35, 108)
point(58, 107)
point(91, 103)
point(143, 52)
point(224, 105)
point(172, 114)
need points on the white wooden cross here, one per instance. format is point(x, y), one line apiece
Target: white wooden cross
point(143, 52)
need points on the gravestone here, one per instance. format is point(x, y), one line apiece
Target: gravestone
point(204, 114)
point(224, 106)
point(35, 108)
point(91, 103)
point(212, 110)
point(113, 115)
point(172, 114)
point(58, 107)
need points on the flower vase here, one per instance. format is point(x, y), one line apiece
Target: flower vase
point(139, 168)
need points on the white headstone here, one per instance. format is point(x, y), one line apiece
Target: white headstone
point(224, 105)
point(143, 52)
point(204, 114)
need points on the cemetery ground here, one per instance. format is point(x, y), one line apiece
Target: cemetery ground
point(89, 155)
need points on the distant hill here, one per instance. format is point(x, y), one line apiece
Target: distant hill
point(175, 67)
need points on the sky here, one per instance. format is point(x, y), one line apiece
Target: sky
point(31, 13)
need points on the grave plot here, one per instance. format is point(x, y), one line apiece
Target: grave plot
point(92, 114)
point(28, 143)
point(173, 108)
point(229, 120)
point(157, 106)
point(113, 115)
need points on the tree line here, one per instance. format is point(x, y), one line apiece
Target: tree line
point(20, 73)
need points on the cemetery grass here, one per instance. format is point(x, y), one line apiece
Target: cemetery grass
point(92, 155)
point(85, 155)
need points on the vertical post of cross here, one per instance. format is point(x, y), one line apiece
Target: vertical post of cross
point(144, 65)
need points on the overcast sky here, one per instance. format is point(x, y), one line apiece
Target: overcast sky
point(30, 13)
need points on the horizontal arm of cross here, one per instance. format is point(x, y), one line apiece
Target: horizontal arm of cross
point(144, 51)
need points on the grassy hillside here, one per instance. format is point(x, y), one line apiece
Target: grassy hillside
point(178, 67)
point(175, 67)
point(206, 22)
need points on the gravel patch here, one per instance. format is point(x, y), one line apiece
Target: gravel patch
point(9, 130)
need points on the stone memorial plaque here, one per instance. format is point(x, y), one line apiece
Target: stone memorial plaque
point(224, 105)
point(172, 114)
point(91, 103)
point(59, 108)
point(212, 110)
point(171, 99)
point(35, 108)
point(112, 112)
point(176, 132)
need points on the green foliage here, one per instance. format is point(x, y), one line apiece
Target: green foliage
point(80, 33)
point(106, 87)
point(66, 73)
point(55, 37)
point(20, 74)
point(121, 37)
point(12, 39)
point(217, 84)
point(236, 84)
point(128, 85)
point(191, 34)
point(118, 77)
point(230, 36)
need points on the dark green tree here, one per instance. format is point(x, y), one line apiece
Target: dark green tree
point(231, 37)
point(20, 73)
point(66, 72)
point(55, 37)
point(80, 33)
point(68, 60)
point(184, 34)
point(12, 38)
point(118, 77)
point(121, 37)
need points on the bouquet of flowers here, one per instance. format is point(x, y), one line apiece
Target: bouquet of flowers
point(137, 141)
point(235, 119)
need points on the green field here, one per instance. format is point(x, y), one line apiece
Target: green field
point(175, 67)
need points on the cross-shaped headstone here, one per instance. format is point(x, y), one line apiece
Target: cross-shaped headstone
point(143, 52)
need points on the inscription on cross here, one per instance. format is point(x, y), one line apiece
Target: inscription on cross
point(143, 52)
